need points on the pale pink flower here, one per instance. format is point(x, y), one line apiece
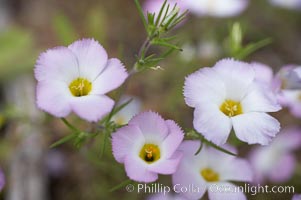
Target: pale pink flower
point(2, 180)
point(229, 95)
point(209, 169)
point(76, 79)
point(147, 146)
point(288, 84)
point(276, 162)
point(216, 8)
point(129, 111)
point(289, 4)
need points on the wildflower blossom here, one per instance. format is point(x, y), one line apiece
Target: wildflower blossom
point(2, 180)
point(154, 6)
point(296, 197)
point(288, 85)
point(216, 8)
point(228, 95)
point(166, 196)
point(209, 169)
point(276, 162)
point(289, 4)
point(263, 73)
point(129, 111)
point(148, 146)
point(76, 78)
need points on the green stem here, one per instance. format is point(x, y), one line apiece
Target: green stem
point(70, 126)
point(122, 184)
point(106, 135)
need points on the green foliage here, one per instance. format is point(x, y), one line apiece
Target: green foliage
point(17, 52)
point(96, 25)
point(235, 48)
point(156, 27)
point(194, 135)
point(64, 29)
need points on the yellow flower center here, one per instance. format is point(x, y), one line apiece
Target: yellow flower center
point(209, 175)
point(150, 153)
point(231, 108)
point(80, 87)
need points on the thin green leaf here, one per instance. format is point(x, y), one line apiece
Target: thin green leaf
point(160, 13)
point(104, 145)
point(199, 149)
point(164, 17)
point(118, 108)
point(70, 126)
point(166, 44)
point(170, 19)
point(141, 13)
point(251, 48)
point(151, 18)
point(179, 19)
point(64, 140)
point(217, 147)
point(121, 185)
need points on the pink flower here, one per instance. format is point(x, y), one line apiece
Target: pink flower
point(288, 84)
point(289, 4)
point(154, 6)
point(229, 95)
point(276, 162)
point(76, 79)
point(216, 8)
point(129, 111)
point(296, 197)
point(148, 146)
point(208, 169)
point(2, 180)
point(166, 196)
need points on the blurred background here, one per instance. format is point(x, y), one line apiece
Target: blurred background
point(34, 171)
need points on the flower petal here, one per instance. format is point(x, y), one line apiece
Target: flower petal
point(167, 166)
point(236, 170)
point(152, 126)
point(57, 64)
point(2, 180)
point(204, 85)
point(54, 97)
point(225, 191)
point(92, 57)
point(237, 77)
point(255, 127)
point(127, 140)
point(110, 78)
point(137, 170)
point(173, 140)
point(260, 99)
point(212, 123)
point(263, 73)
point(187, 176)
point(217, 8)
point(92, 107)
point(284, 169)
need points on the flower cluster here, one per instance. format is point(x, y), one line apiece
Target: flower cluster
point(232, 96)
